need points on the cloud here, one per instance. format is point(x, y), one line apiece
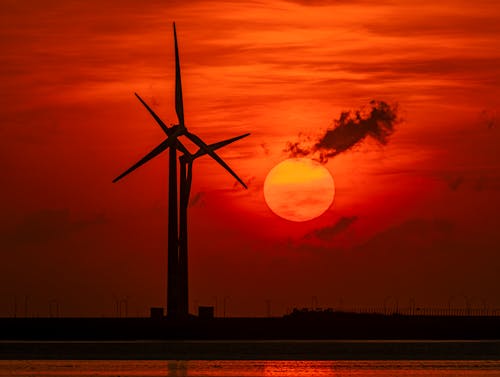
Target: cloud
point(352, 128)
point(329, 232)
point(456, 183)
point(197, 199)
point(483, 182)
point(488, 118)
point(487, 182)
point(322, 3)
point(265, 148)
point(46, 225)
point(438, 21)
point(413, 234)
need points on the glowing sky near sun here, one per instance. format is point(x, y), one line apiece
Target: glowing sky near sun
point(417, 213)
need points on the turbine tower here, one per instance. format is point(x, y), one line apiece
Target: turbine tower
point(177, 276)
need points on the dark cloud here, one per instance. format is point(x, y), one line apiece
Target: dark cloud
point(327, 233)
point(487, 182)
point(20, 126)
point(265, 148)
point(456, 183)
point(352, 127)
point(490, 182)
point(46, 225)
point(488, 118)
point(412, 234)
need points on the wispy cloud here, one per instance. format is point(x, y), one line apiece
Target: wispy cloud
point(329, 232)
point(46, 225)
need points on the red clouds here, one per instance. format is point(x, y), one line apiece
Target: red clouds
point(70, 123)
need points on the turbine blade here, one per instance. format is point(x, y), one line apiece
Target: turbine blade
point(179, 106)
point(155, 152)
point(163, 126)
point(195, 139)
point(219, 145)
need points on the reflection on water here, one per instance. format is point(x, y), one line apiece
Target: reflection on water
point(59, 368)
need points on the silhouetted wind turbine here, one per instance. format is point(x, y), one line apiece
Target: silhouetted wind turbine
point(177, 288)
point(186, 177)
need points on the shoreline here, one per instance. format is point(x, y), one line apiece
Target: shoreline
point(251, 350)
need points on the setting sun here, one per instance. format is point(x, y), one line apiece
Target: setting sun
point(299, 189)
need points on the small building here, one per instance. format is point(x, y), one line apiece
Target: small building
point(156, 313)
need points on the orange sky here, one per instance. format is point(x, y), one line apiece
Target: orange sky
point(416, 218)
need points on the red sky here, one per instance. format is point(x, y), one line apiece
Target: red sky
point(414, 219)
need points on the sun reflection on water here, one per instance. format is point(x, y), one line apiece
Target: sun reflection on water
point(248, 368)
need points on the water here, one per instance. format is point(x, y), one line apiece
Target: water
point(224, 368)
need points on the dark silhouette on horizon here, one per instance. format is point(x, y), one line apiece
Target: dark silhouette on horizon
point(177, 273)
point(300, 324)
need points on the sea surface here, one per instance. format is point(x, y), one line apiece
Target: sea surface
point(254, 368)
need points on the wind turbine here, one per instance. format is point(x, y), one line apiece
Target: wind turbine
point(177, 295)
point(186, 177)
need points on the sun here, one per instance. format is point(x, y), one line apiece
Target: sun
point(299, 189)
